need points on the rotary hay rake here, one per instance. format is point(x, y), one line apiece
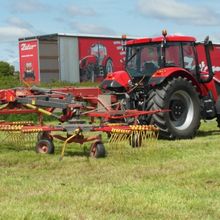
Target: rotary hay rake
point(68, 106)
point(12, 133)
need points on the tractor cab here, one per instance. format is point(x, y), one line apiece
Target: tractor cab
point(145, 56)
point(149, 61)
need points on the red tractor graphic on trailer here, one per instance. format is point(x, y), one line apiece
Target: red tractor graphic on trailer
point(29, 71)
point(96, 65)
point(170, 72)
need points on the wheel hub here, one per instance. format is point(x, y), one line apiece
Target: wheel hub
point(182, 110)
point(44, 149)
point(177, 109)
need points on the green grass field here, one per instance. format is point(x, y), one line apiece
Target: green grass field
point(165, 180)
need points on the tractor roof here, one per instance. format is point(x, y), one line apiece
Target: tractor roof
point(171, 38)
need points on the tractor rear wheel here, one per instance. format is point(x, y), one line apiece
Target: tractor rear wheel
point(180, 96)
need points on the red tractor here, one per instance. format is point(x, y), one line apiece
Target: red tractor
point(170, 72)
point(96, 65)
point(29, 72)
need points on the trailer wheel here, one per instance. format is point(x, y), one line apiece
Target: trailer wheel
point(97, 150)
point(180, 96)
point(45, 146)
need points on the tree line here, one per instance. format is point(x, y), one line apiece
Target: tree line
point(6, 69)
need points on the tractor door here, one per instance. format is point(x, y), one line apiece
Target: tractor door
point(215, 60)
point(205, 57)
point(189, 57)
point(209, 76)
point(209, 67)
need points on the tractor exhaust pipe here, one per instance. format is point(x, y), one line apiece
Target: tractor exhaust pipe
point(208, 46)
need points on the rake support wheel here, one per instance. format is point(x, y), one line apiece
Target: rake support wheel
point(97, 150)
point(45, 146)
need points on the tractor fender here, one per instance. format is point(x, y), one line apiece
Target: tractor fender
point(107, 64)
point(104, 61)
point(87, 60)
point(119, 79)
point(166, 73)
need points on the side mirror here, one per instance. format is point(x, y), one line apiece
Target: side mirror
point(208, 43)
point(123, 42)
point(206, 40)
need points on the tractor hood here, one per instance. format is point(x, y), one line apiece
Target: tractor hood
point(116, 81)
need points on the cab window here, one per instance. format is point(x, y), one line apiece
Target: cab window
point(173, 54)
point(189, 57)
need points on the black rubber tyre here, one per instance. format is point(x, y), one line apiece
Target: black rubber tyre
point(181, 97)
point(97, 150)
point(45, 146)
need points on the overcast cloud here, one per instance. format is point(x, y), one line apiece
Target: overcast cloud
point(10, 33)
point(179, 12)
point(91, 29)
point(27, 6)
point(19, 23)
point(75, 10)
